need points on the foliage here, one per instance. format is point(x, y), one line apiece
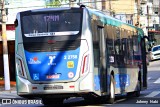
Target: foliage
point(55, 3)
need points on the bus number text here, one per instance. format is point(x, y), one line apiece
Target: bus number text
point(51, 18)
point(70, 57)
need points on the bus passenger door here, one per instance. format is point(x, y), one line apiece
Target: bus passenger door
point(102, 65)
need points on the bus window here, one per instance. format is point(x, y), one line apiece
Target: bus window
point(110, 44)
point(53, 22)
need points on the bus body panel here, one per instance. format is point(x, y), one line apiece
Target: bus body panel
point(126, 80)
point(45, 66)
point(28, 88)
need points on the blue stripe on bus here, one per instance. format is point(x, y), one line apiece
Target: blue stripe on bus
point(50, 66)
point(97, 82)
point(122, 80)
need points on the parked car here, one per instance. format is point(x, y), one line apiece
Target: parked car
point(155, 52)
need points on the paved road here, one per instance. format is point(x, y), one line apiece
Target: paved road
point(147, 96)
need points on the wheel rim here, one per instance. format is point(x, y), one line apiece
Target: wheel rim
point(112, 90)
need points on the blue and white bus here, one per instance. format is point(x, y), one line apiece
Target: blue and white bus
point(77, 52)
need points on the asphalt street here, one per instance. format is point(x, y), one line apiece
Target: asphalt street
point(149, 97)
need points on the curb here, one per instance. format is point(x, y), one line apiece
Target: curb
point(8, 92)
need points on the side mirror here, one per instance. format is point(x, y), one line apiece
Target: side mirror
point(16, 23)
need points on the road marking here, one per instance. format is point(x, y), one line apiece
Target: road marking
point(157, 81)
point(154, 93)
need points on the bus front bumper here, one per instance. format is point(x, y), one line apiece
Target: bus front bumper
point(26, 88)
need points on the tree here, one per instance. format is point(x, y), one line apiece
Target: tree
point(55, 3)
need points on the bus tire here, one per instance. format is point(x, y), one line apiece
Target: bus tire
point(52, 101)
point(112, 91)
point(137, 93)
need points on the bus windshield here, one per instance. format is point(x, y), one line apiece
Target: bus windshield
point(52, 24)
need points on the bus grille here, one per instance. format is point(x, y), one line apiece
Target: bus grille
point(51, 47)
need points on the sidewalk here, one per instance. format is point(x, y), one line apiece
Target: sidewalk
point(13, 83)
point(12, 93)
point(12, 86)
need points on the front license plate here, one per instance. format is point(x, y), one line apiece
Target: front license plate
point(56, 87)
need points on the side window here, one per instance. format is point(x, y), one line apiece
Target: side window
point(94, 29)
point(136, 48)
point(124, 45)
point(110, 44)
point(125, 48)
point(110, 40)
point(117, 41)
point(96, 50)
point(130, 47)
point(135, 43)
point(118, 46)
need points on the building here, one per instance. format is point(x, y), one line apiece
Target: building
point(125, 10)
point(149, 16)
point(150, 20)
point(141, 13)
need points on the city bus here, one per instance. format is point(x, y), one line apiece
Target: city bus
point(77, 52)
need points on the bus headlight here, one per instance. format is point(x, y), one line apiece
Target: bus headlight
point(20, 68)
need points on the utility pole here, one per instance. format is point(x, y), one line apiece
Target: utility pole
point(110, 8)
point(138, 13)
point(71, 3)
point(5, 48)
point(95, 2)
point(148, 17)
point(159, 12)
point(103, 5)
